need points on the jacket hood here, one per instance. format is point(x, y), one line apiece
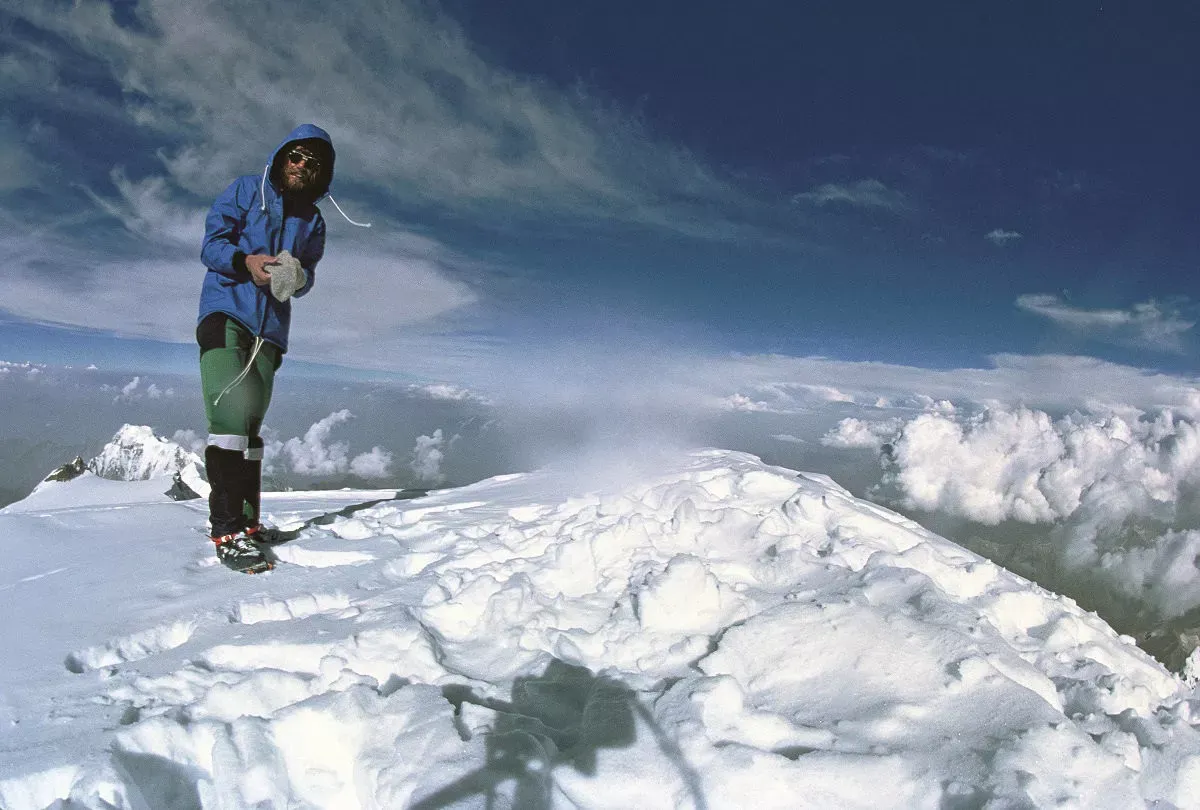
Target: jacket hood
point(318, 139)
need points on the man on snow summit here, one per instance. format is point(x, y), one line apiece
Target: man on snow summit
point(263, 238)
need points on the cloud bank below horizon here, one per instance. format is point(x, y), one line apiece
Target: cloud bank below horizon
point(1116, 491)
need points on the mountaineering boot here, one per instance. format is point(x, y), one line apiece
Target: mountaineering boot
point(226, 513)
point(238, 552)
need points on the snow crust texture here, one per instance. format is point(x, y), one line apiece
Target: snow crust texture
point(718, 634)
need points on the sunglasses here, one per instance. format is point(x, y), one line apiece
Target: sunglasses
point(307, 158)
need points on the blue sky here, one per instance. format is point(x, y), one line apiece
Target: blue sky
point(562, 187)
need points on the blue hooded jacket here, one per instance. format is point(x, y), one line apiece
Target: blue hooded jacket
point(248, 218)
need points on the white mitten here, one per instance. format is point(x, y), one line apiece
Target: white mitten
point(287, 276)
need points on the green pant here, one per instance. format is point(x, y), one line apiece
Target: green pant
point(235, 410)
point(237, 385)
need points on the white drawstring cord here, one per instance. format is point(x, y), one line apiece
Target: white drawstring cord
point(343, 213)
point(258, 342)
point(262, 195)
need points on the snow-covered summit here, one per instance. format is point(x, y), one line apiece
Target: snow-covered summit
point(712, 633)
point(136, 454)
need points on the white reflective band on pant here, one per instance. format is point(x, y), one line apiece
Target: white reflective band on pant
point(253, 454)
point(227, 442)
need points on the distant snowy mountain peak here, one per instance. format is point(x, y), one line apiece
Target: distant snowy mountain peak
point(136, 454)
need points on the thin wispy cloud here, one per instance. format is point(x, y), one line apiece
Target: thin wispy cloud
point(145, 208)
point(422, 123)
point(1048, 381)
point(448, 393)
point(1148, 325)
point(1001, 237)
point(414, 110)
point(860, 194)
point(18, 167)
point(381, 299)
point(26, 65)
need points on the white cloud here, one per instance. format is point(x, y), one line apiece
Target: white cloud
point(1023, 465)
point(1162, 573)
point(24, 366)
point(427, 457)
point(785, 397)
point(312, 454)
point(1115, 489)
point(1046, 381)
point(315, 455)
point(861, 194)
point(1001, 237)
point(448, 393)
point(191, 440)
point(741, 402)
point(133, 391)
point(988, 470)
point(375, 464)
point(1148, 324)
point(862, 434)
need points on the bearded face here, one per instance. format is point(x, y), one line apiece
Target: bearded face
point(300, 170)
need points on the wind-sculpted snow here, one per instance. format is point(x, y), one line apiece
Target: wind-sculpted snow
point(718, 634)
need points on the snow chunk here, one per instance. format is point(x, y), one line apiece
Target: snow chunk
point(132, 647)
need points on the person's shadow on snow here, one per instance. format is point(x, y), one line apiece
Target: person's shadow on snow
point(562, 717)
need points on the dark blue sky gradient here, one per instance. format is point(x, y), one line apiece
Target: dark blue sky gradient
point(767, 82)
point(1072, 123)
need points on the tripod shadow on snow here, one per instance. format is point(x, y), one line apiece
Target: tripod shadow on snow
point(561, 718)
point(344, 512)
